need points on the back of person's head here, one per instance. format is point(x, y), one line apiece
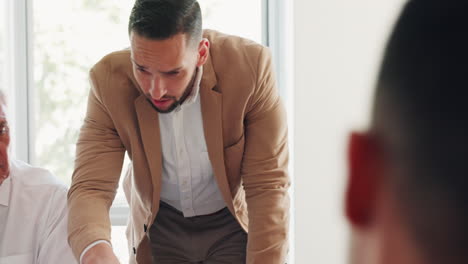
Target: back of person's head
point(420, 125)
point(162, 19)
point(421, 116)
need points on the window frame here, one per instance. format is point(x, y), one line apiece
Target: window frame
point(19, 26)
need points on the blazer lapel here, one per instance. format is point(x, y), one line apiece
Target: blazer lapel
point(151, 139)
point(211, 106)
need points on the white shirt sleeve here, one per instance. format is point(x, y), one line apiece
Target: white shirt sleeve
point(53, 247)
point(92, 245)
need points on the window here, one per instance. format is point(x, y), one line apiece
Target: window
point(66, 44)
point(14, 68)
point(233, 17)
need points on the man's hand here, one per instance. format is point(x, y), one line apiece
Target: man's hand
point(100, 254)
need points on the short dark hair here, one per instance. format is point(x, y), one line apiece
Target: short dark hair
point(162, 19)
point(421, 117)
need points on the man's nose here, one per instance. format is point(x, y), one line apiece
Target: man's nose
point(157, 89)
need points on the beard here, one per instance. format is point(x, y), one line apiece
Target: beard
point(177, 102)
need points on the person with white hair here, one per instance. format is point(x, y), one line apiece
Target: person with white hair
point(33, 209)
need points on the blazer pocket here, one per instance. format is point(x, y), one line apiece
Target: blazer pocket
point(18, 259)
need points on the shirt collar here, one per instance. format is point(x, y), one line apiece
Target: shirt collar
point(192, 97)
point(5, 190)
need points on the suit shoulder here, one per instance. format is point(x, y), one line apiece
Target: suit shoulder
point(240, 47)
point(113, 74)
point(118, 61)
point(236, 56)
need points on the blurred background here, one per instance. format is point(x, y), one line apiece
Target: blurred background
point(326, 54)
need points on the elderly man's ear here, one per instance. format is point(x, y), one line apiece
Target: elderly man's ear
point(364, 171)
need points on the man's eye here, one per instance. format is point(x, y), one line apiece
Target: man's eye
point(173, 73)
point(142, 70)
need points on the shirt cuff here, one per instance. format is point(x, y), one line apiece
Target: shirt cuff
point(92, 245)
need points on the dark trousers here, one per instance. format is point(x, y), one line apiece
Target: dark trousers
point(209, 239)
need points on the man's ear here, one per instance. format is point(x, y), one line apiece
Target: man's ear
point(364, 170)
point(203, 52)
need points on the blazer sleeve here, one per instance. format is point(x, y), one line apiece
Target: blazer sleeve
point(99, 158)
point(264, 169)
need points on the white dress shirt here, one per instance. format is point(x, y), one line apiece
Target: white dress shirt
point(33, 217)
point(188, 182)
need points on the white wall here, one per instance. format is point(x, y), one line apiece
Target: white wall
point(337, 46)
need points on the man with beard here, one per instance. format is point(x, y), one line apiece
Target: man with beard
point(199, 115)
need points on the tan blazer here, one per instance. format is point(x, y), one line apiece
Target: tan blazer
point(246, 135)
